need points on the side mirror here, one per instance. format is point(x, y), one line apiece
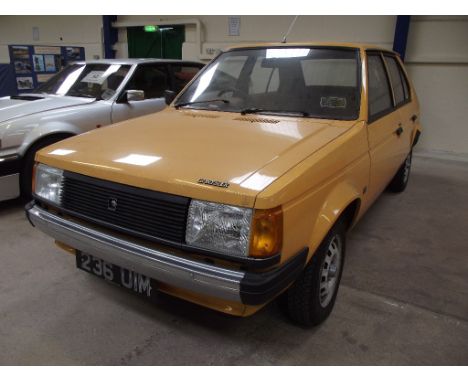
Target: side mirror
point(135, 95)
point(131, 95)
point(169, 96)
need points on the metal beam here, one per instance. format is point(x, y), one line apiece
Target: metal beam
point(110, 35)
point(401, 35)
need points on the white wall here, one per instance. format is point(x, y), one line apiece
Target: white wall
point(82, 31)
point(368, 29)
point(437, 61)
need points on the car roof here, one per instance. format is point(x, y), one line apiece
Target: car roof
point(134, 61)
point(311, 43)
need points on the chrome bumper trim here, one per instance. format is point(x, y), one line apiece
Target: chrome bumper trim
point(9, 187)
point(171, 269)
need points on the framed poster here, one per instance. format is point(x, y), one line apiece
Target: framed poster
point(38, 63)
point(49, 63)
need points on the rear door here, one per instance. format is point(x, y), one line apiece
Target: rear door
point(388, 145)
point(153, 79)
point(405, 102)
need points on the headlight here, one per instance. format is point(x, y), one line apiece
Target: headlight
point(219, 227)
point(48, 183)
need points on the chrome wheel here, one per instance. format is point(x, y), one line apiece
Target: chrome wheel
point(407, 168)
point(330, 271)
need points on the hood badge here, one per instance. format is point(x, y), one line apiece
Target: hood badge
point(215, 183)
point(112, 204)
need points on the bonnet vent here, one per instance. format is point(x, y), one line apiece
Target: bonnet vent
point(258, 120)
point(201, 115)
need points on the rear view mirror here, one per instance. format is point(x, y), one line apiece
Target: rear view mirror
point(169, 96)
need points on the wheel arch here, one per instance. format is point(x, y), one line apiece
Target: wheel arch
point(60, 135)
point(343, 203)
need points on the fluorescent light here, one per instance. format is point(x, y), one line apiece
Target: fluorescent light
point(204, 82)
point(138, 159)
point(286, 53)
point(62, 152)
point(257, 182)
point(69, 81)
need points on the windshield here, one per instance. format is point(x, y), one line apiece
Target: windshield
point(315, 82)
point(98, 81)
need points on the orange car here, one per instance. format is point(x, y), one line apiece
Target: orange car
point(244, 188)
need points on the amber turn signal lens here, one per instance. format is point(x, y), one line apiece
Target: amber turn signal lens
point(33, 183)
point(267, 233)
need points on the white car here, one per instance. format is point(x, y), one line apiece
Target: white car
point(82, 97)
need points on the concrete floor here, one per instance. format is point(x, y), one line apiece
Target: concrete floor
point(403, 298)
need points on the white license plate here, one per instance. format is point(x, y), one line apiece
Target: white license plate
point(126, 278)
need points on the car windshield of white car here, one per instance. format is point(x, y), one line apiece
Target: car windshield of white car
point(317, 82)
point(98, 81)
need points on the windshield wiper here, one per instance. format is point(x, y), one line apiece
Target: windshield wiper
point(205, 101)
point(254, 110)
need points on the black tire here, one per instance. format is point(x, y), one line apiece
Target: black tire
point(302, 302)
point(401, 178)
point(28, 164)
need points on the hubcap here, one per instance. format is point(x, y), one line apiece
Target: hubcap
point(330, 270)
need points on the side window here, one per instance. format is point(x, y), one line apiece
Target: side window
point(380, 99)
point(405, 83)
point(152, 79)
point(183, 74)
point(395, 78)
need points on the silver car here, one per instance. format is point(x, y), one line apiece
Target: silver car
point(82, 97)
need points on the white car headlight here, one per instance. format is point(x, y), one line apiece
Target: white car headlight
point(48, 183)
point(219, 227)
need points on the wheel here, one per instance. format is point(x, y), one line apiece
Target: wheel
point(28, 164)
point(309, 301)
point(400, 180)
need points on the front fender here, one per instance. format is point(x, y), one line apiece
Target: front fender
point(22, 132)
point(18, 135)
point(42, 131)
point(335, 203)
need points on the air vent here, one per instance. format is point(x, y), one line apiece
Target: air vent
point(258, 120)
point(26, 97)
point(200, 115)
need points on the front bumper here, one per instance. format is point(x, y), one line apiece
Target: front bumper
point(10, 168)
point(249, 288)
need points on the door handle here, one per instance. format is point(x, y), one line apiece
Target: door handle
point(414, 117)
point(399, 131)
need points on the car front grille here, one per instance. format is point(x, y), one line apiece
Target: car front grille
point(145, 213)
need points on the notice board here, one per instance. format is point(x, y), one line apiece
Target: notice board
point(36, 64)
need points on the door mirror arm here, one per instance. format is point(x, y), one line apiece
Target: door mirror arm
point(169, 96)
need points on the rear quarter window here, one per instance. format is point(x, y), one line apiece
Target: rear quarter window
point(380, 98)
point(400, 88)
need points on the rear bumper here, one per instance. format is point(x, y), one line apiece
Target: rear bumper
point(10, 167)
point(249, 288)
